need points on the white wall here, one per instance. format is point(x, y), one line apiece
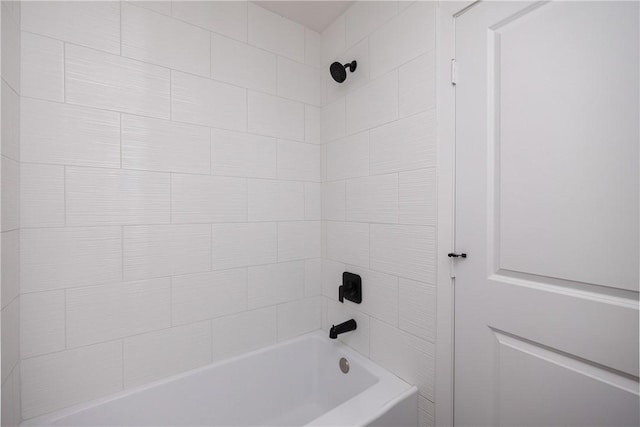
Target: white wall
point(170, 191)
point(10, 216)
point(379, 185)
point(193, 184)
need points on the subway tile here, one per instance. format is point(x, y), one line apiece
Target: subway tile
point(207, 102)
point(240, 245)
point(116, 197)
point(55, 258)
point(196, 297)
point(108, 312)
point(159, 354)
point(198, 198)
point(10, 337)
point(11, 40)
point(276, 34)
point(323, 162)
point(426, 412)
point(298, 161)
point(102, 80)
point(395, 43)
point(243, 65)
point(10, 266)
point(348, 157)
point(41, 195)
point(364, 17)
point(243, 155)
point(313, 277)
point(228, 18)
point(91, 24)
point(164, 146)
point(373, 199)
point(275, 200)
point(299, 82)
point(166, 250)
point(276, 283)
point(403, 4)
point(10, 197)
point(333, 120)
point(163, 7)
point(334, 201)
point(372, 105)
point(152, 37)
point(299, 317)
point(62, 379)
point(417, 85)
point(312, 201)
point(332, 277)
point(243, 332)
point(406, 144)
point(298, 240)
point(409, 357)
point(404, 250)
point(380, 300)
point(42, 67)
point(348, 242)
point(67, 134)
point(418, 197)
point(418, 309)
point(338, 313)
point(356, 79)
point(333, 41)
point(11, 121)
point(312, 48)
point(277, 117)
point(323, 239)
point(312, 117)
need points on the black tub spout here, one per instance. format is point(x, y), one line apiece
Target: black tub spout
point(349, 325)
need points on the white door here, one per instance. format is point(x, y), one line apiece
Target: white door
point(547, 136)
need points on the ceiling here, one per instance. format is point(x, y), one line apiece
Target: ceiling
point(316, 15)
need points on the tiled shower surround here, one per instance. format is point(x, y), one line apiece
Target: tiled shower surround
point(193, 184)
point(379, 185)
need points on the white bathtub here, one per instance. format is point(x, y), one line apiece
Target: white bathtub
point(298, 382)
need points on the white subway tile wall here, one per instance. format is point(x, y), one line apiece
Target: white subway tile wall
point(165, 171)
point(378, 132)
point(191, 184)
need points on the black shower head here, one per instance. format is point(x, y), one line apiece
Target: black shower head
point(339, 71)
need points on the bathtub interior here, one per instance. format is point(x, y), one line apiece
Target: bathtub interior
point(286, 385)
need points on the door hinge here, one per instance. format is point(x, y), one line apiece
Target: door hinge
point(454, 72)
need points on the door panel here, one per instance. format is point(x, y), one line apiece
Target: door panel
point(551, 382)
point(573, 322)
point(547, 196)
point(563, 171)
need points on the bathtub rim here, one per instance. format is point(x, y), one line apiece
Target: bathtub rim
point(400, 388)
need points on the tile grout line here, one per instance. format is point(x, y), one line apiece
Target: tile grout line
point(64, 72)
point(122, 252)
point(120, 124)
point(64, 194)
point(66, 323)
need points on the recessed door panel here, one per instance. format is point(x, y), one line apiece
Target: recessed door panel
point(566, 86)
